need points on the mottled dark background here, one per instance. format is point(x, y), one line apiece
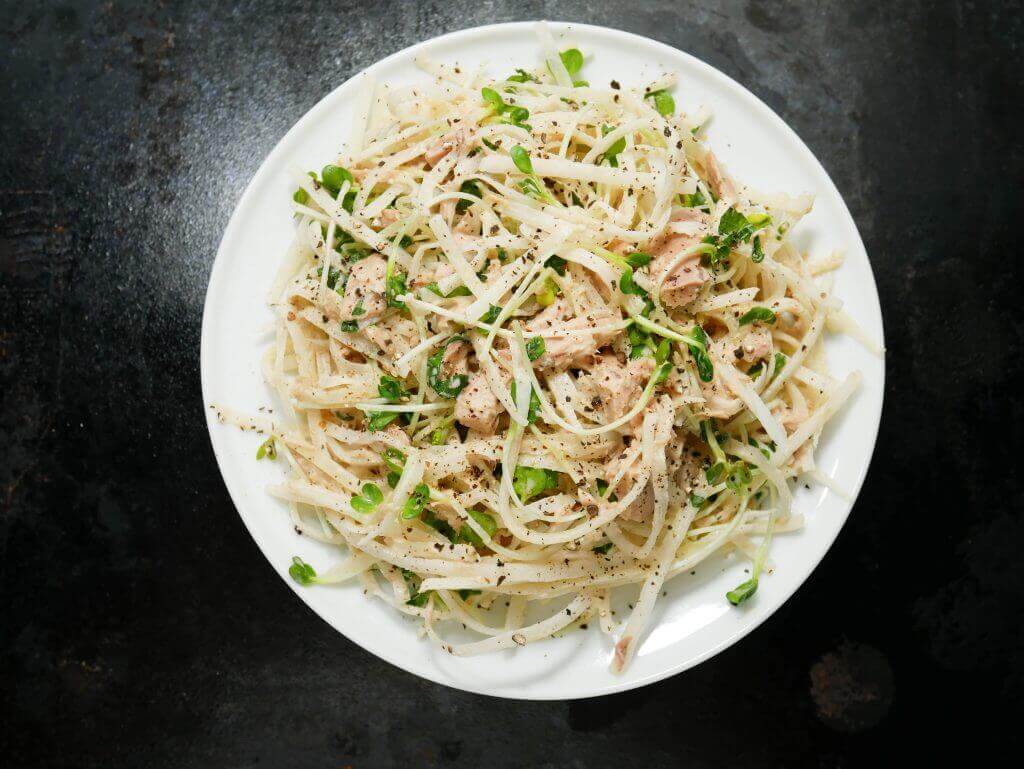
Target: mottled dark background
point(141, 627)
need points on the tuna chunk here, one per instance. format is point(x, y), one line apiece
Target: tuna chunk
point(681, 279)
point(477, 407)
point(566, 349)
point(718, 180)
point(394, 335)
point(757, 344)
point(643, 505)
point(365, 292)
point(456, 140)
point(456, 359)
point(617, 387)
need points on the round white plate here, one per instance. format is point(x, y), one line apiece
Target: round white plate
point(693, 621)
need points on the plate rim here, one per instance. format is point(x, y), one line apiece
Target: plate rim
point(763, 111)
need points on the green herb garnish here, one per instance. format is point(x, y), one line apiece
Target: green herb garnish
point(468, 187)
point(535, 348)
point(762, 314)
point(368, 500)
point(334, 177)
point(390, 388)
point(663, 102)
point(417, 501)
point(487, 523)
point(301, 571)
point(267, 449)
point(453, 385)
point(378, 420)
point(528, 482)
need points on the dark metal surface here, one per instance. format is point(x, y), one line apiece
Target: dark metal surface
point(140, 624)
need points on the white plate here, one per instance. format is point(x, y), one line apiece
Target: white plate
point(694, 621)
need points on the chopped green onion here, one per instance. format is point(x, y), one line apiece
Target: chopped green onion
point(533, 409)
point(349, 326)
point(628, 286)
point(457, 291)
point(742, 592)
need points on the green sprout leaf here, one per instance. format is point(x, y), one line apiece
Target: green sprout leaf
point(663, 102)
point(572, 60)
point(391, 388)
point(522, 76)
point(528, 482)
point(394, 459)
point(334, 177)
point(487, 523)
point(396, 287)
point(535, 348)
point(417, 501)
point(491, 314)
point(468, 187)
point(757, 253)
point(638, 259)
point(694, 200)
point(522, 159)
point(267, 449)
point(453, 385)
point(493, 98)
point(762, 314)
point(780, 363)
point(378, 420)
point(301, 571)
point(557, 264)
point(368, 500)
